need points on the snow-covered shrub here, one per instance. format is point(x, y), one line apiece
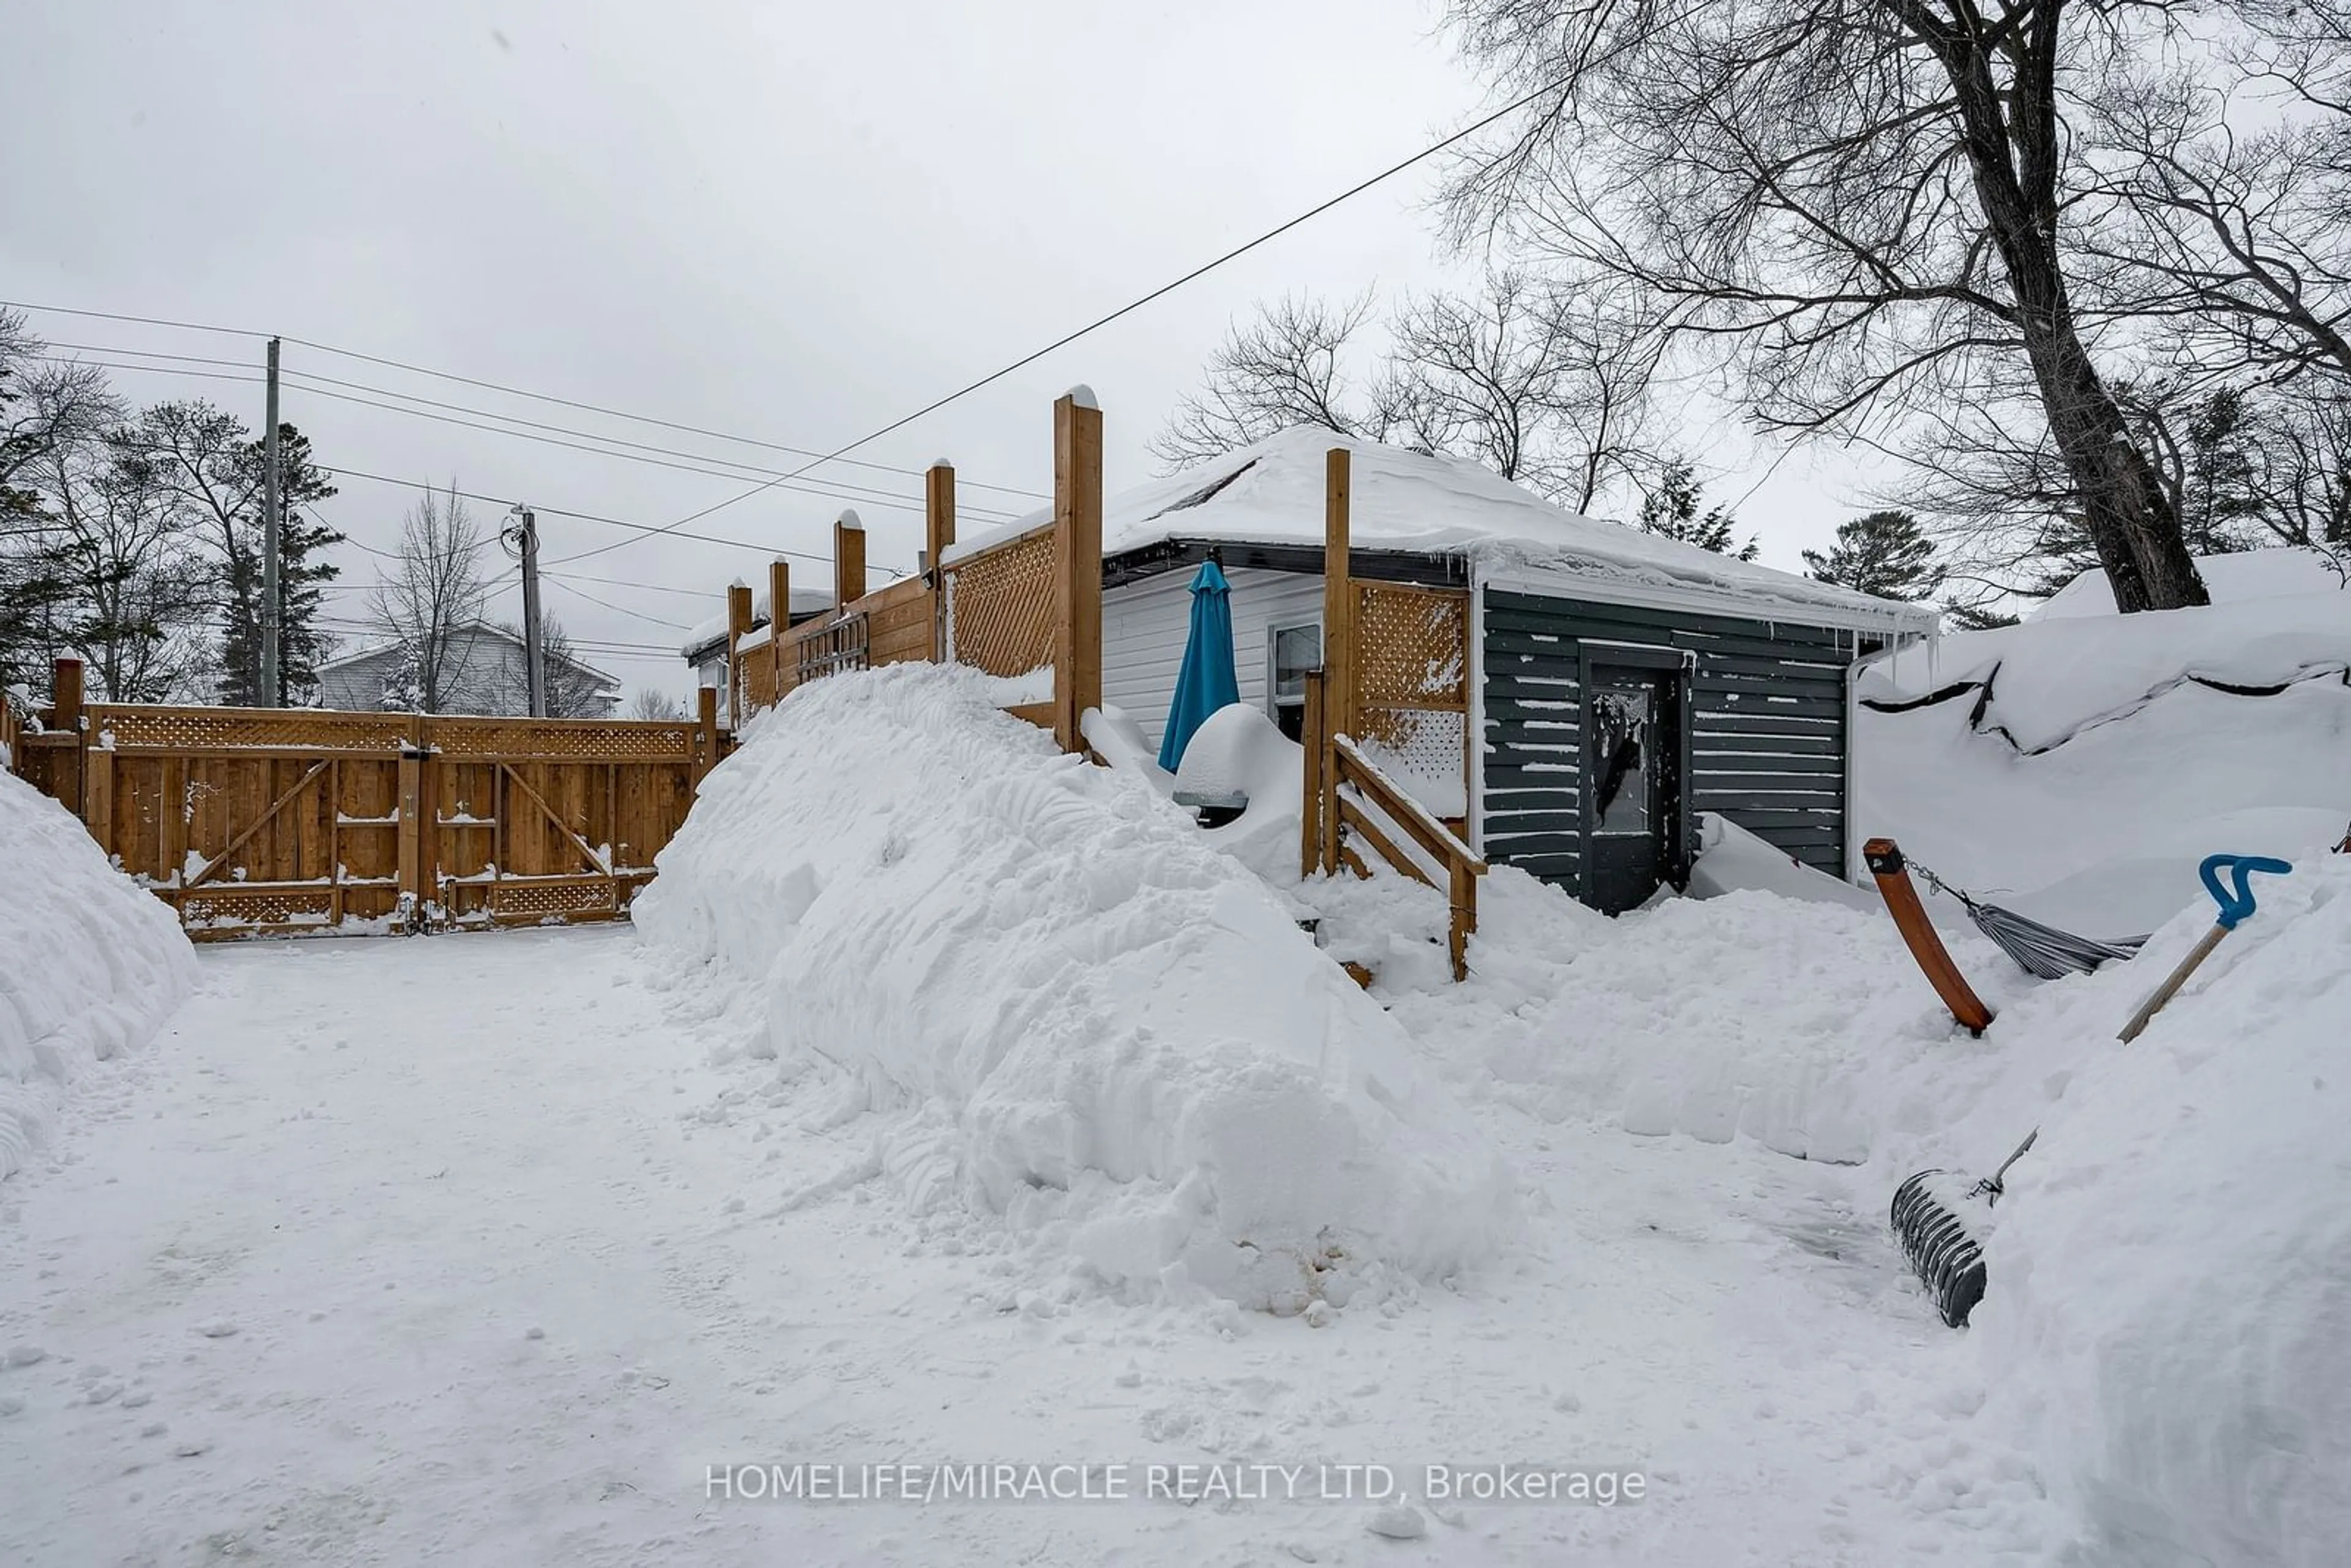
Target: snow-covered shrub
point(89, 965)
point(1074, 1012)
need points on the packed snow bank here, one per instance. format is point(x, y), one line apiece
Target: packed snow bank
point(2170, 1302)
point(2230, 578)
point(1075, 1013)
point(2079, 767)
point(89, 965)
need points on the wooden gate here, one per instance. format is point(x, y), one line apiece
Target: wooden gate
point(251, 820)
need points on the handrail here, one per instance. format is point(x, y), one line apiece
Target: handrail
point(1411, 816)
point(1462, 866)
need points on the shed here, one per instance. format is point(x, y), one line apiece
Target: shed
point(1569, 694)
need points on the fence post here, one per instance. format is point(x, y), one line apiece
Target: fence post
point(412, 818)
point(939, 535)
point(705, 739)
point(848, 560)
point(1338, 597)
point(738, 622)
point(67, 771)
point(779, 618)
point(1309, 817)
point(1076, 543)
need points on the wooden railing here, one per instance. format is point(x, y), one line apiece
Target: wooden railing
point(1023, 604)
point(1350, 800)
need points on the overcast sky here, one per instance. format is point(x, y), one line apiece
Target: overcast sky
point(787, 222)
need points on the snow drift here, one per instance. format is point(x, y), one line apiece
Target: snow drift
point(2170, 1308)
point(89, 965)
point(1076, 1014)
point(2077, 766)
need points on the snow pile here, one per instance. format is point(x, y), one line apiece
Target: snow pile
point(2231, 579)
point(1075, 1013)
point(2170, 1300)
point(89, 963)
point(2078, 766)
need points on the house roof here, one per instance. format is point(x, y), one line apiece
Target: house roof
point(709, 635)
point(1271, 493)
point(481, 629)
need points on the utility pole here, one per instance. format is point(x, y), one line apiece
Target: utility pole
point(273, 616)
point(525, 534)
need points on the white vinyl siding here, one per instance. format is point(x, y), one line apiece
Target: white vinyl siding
point(1145, 625)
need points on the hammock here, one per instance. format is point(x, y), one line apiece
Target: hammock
point(2041, 951)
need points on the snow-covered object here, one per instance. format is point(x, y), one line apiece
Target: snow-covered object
point(1118, 741)
point(2170, 1311)
point(1072, 1010)
point(1731, 858)
point(89, 965)
point(2230, 578)
point(1240, 751)
point(2102, 765)
point(1272, 493)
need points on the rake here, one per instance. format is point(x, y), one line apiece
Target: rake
point(1928, 1206)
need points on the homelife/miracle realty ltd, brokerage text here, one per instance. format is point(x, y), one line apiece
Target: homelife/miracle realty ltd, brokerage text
point(1163, 1481)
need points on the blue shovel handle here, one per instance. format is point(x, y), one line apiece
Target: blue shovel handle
point(2236, 902)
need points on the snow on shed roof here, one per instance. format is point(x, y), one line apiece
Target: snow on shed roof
point(712, 630)
point(1271, 493)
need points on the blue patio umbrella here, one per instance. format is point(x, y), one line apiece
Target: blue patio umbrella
point(1206, 681)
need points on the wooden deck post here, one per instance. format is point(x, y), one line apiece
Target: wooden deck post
point(69, 768)
point(938, 536)
point(705, 739)
point(848, 561)
point(1076, 543)
point(413, 827)
point(1337, 641)
point(779, 619)
point(1310, 817)
point(738, 624)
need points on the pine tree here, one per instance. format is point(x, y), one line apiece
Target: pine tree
point(1884, 553)
point(1670, 511)
point(301, 641)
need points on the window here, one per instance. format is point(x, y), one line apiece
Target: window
point(1291, 651)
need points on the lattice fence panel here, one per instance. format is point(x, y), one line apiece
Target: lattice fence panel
point(230, 908)
point(1000, 606)
point(617, 740)
point(511, 899)
point(228, 728)
point(1411, 647)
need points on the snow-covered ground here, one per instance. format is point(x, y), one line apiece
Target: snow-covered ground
point(475, 1249)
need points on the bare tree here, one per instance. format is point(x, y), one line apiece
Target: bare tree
point(1545, 381)
point(2213, 208)
point(652, 704)
point(1863, 202)
point(1287, 368)
point(571, 689)
point(430, 604)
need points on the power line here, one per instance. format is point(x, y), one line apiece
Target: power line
point(635, 614)
point(1133, 304)
point(767, 550)
point(861, 495)
point(864, 496)
point(507, 391)
point(141, 321)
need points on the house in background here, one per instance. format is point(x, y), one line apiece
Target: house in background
point(487, 673)
point(705, 644)
point(1569, 694)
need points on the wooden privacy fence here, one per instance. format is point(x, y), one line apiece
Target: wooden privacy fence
point(1027, 605)
point(252, 821)
point(1392, 698)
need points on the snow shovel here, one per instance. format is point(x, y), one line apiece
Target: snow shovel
point(2236, 902)
point(1946, 1254)
point(1927, 1206)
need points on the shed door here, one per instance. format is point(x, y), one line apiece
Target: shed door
point(1635, 738)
